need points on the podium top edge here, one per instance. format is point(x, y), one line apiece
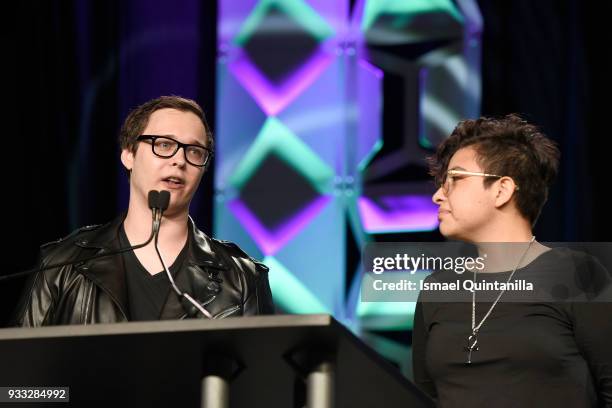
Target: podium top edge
point(166, 326)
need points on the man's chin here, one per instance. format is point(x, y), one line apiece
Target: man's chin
point(178, 203)
point(176, 207)
point(173, 210)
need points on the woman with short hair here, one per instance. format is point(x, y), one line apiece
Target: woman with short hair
point(493, 178)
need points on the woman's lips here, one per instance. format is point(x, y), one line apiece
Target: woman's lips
point(442, 212)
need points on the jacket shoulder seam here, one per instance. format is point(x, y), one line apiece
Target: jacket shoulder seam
point(235, 250)
point(73, 235)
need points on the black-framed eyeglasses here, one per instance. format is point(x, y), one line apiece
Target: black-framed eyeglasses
point(166, 147)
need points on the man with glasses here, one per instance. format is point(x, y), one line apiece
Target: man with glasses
point(166, 144)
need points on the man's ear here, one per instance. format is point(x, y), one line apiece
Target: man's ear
point(127, 158)
point(505, 190)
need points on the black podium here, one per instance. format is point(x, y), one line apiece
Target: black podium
point(264, 361)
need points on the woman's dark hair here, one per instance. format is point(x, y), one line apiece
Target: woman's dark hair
point(509, 147)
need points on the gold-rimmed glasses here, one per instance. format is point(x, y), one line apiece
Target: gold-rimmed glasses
point(453, 174)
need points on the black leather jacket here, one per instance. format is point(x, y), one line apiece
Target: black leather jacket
point(218, 274)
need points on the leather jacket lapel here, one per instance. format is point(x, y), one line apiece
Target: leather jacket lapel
point(199, 276)
point(188, 280)
point(107, 272)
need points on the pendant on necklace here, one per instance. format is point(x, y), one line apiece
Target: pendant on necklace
point(472, 345)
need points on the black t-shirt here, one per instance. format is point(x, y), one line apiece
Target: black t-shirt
point(146, 293)
point(531, 353)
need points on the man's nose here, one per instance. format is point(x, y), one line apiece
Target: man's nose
point(179, 158)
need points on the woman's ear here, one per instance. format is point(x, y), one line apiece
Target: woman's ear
point(505, 190)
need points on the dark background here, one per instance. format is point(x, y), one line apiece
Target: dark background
point(76, 68)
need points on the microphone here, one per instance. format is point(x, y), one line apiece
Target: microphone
point(155, 204)
point(162, 202)
point(153, 199)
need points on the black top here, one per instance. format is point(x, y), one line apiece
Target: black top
point(532, 353)
point(146, 293)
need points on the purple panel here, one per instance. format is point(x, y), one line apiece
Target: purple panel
point(356, 19)
point(232, 14)
point(321, 122)
point(271, 241)
point(271, 97)
point(369, 85)
point(398, 213)
point(239, 120)
point(335, 13)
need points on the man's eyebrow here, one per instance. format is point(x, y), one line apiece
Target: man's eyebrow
point(457, 168)
point(197, 143)
point(192, 142)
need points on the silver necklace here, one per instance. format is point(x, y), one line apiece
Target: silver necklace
point(472, 340)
